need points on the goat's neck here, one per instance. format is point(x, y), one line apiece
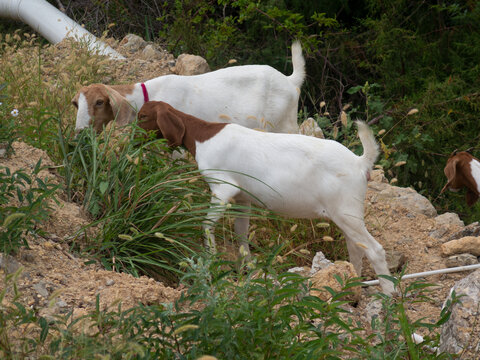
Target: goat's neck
point(197, 130)
point(133, 94)
point(475, 169)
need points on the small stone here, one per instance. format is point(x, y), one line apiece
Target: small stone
point(41, 289)
point(150, 53)
point(109, 282)
point(3, 153)
point(326, 277)
point(61, 304)
point(9, 263)
point(461, 260)
point(395, 260)
point(319, 262)
point(449, 219)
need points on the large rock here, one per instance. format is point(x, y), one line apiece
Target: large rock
point(467, 244)
point(461, 260)
point(460, 334)
point(404, 197)
point(326, 277)
point(191, 65)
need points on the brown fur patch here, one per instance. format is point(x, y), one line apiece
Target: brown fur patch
point(176, 126)
point(458, 173)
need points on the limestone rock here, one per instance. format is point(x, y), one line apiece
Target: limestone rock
point(461, 260)
point(472, 229)
point(319, 262)
point(191, 65)
point(325, 277)
point(310, 127)
point(404, 197)
point(467, 244)
point(456, 334)
point(150, 53)
point(449, 219)
point(133, 43)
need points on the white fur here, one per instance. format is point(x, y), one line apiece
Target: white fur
point(83, 118)
point(475, 168)
point(297, 176)
point(255, 96)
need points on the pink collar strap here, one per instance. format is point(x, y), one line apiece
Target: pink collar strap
point(145, 92)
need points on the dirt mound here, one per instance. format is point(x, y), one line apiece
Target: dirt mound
point(50, 269)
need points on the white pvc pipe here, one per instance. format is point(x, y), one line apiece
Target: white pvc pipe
point(52, 24)
point(428, 273)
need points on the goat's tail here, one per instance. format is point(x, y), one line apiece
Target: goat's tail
point(370, 146)
point(298, 75)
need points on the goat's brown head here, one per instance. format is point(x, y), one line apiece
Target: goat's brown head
point(162, 118)
point(99, 104)
point(459, 174)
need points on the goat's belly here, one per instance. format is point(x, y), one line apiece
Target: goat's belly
point(292, 208)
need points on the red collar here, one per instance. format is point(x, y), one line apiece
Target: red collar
point(145, 92)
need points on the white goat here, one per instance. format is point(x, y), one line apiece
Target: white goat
point(255, 96)
point(295, 175)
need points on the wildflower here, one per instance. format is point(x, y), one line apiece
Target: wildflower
point(14, 112)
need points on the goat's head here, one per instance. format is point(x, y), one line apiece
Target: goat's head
point(458, 171)
point(166, 121)
point(99, 104)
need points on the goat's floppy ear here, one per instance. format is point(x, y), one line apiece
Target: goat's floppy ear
point(171, 125)
point(450, 172)
point(123, 112)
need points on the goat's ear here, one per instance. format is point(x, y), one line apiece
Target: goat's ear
point(123, 112)
point(472, 197)
point(171, 125)
point(450, 171)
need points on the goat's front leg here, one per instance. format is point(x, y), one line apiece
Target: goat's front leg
point(242, 222)
point(218, 203)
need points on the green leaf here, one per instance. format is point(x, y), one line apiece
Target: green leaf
point(103, 187)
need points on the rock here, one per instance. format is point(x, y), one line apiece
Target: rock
point(438, 233)
point(472, 229)
point(373, 310)
point(61, 304)
point(310, 127)
point(325, 277)
point(41, 288)
point(300, 270)
point(150, 53)
point(395, 260)
point(9, 264)
point(461, 260)
point(449, 219)
point(404, 197)
point(319, 262)
point(378, 175)
point(467, 244)
point(3, 153)
point(456, 334)
point(191, 65)
point(109, 282)
point(133, 43)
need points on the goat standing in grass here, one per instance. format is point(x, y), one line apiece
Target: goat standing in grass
point(295, 175)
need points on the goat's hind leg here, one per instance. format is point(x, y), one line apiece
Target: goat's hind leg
point(359, 243)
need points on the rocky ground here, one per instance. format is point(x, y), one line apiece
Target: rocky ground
point(404, 222)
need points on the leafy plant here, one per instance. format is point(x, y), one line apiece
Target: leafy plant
point(23, 205)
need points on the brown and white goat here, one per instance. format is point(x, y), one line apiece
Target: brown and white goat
point(463, 170)
point(294, 175)
point(255, 96)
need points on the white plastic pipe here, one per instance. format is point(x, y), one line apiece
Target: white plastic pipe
point(52, 24)
point(428, 273)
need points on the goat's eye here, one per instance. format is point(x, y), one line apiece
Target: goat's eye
point(75, 104)
point(99, 103)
